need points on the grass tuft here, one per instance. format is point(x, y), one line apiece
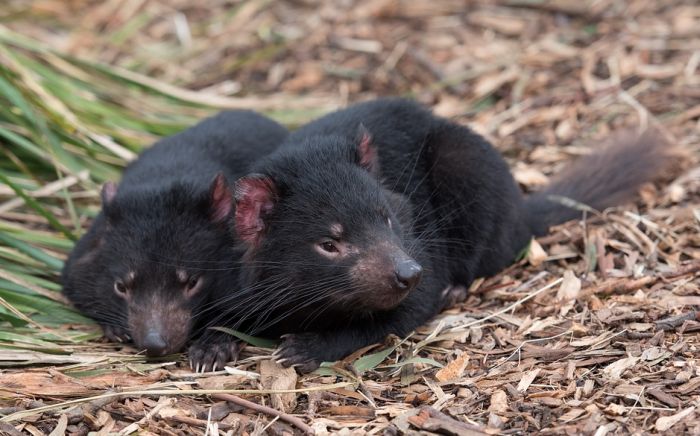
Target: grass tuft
point(66, 127)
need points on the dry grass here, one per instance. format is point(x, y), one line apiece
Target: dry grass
point(596, 332)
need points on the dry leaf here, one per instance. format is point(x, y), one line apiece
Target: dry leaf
point(590, 340)
point(568, 292)
point(221, 381)
point(105, 423)
point(275, 376)
point(571, 415)
point(615, 409)
point(536, 254)
point(499, 402)
point(676, 192)
point(653, 353)
point(615, 369)
point(666, 422)
point(58, 384)
point(565, 130)
point(168, 412)
point(527, 379)
point(570, 287)
point(539, 325)
point(489, 83)
point(529, 176)
point(60, 429)
point(454, 369)
point(640, 326)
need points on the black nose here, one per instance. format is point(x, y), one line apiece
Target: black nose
point(154, 344)
point(407, 274)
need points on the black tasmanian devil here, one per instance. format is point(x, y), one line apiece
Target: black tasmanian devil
point(161, 251)
point(361, 223)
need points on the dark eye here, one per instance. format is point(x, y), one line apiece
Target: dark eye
point(192, 282)
point(328, 246)
point(120, 288)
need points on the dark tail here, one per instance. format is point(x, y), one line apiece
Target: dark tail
point(605, 178)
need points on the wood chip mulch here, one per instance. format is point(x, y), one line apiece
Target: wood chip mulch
point(595, 332)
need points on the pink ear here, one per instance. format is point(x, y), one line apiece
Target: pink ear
point(255, 198)
point(221, 199)
point(109, 190)
point(366, 152)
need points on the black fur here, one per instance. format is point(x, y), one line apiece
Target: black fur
point(169, 215)
point(455, 207)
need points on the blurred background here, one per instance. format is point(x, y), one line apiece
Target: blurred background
point(524, 72)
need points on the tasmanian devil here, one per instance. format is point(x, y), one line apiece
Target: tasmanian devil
point(364, 220)
point(162, 248)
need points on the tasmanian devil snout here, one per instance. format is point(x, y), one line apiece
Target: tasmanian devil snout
point(155, 344)
point(407, 274)
point(160, 318)
point(386, 274)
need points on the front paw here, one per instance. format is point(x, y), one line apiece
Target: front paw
point(210, 355)
point(300, 350)
point(116, 333)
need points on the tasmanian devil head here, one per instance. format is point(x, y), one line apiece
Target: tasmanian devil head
point(165, 252)
point(321, 232)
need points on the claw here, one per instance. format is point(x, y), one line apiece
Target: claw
point(197, 368)
point(285, 336)
point(214, 368)
point(191, 365)
point(281, 361)
point(276, 353)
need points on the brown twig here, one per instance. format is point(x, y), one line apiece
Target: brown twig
point(194, 422)
point(77, 413)
point(622, 286)
point(433, 420)
point(267, 410)
point(676, 321)
point(688, 268)
point(617, 286)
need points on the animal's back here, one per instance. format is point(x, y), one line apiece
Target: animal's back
point(230, 142)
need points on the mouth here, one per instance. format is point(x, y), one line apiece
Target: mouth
point(385, 301)
point(154, 351)
point(160, 328)
point(156, 342)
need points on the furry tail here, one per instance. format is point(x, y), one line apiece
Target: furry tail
point(605, 178)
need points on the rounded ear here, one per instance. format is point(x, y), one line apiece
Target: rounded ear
point(255, 197)
point(367, 156)
point(221, 199)
point(109, 190)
